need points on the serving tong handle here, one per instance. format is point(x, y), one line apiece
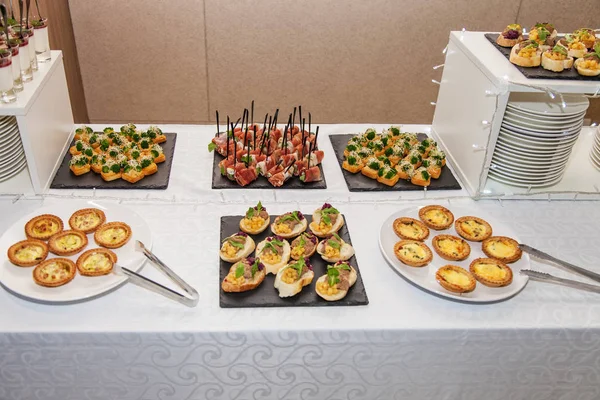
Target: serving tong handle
point(156, 287)
point(544, 277)
point(574, 268)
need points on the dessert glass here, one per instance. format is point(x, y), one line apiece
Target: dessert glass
point(42, 44)
point(24, 59)
point(7, 92)
point(16, 66)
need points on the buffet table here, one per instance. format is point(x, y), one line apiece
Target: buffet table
point(544, 343)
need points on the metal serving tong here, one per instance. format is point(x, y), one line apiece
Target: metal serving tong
point(545, 277)
point(156, 287)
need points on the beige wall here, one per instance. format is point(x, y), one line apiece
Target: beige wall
point(344, 60)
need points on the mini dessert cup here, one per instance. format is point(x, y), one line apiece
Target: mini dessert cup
point(32, 39)
point(25, 61)
point(42, 44)
point(7, 92)
point(16, 66)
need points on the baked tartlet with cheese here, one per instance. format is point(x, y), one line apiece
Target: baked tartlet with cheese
point(112, 235)
point(43, 227)
point(413, 253)
point(96, 262)
point(455, 279)
point(54, 272)
point(473, 228)
point(451, 247)
point(410, 229)
point(436, 217)
point(87, 220)
point(502, 248)
point(491, 272)
point(28, 253)
point(67, 243)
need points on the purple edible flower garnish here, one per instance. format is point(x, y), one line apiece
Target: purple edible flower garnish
point(511, 34)
point(326, 205)
point(308, 264)
point(300, 215)
point(244, 234)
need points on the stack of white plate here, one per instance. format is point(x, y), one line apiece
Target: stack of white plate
point(12, 155)
point(595, 153)
point(536, 138)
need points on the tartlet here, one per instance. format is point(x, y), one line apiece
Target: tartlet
point(436, 217)
point(413, 253)
point(451, 247)
point(491, 272)
point(96, 262)
point(473, 228)
point(67, 243)
point(28, 253)
point(410, 229)
point(87, 220)
point(455, 279)
point(54, 272)
point(43, 227)
point(502, 248)
point(112, 235)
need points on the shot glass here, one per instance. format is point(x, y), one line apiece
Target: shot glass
point(7, 92)
point(16, 66)
point(32, 39)
point(25, 61)
point(42, 44)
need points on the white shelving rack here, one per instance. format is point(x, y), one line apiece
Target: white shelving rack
point(476, 84)
point(45, 119)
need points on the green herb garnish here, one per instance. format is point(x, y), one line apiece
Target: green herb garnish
point(239, 271)
point(425, 175)
point(325, 214)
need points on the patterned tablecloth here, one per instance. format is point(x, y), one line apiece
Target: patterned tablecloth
point(406, 344)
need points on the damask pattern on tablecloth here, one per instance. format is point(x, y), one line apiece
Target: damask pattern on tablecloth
point(491, 365)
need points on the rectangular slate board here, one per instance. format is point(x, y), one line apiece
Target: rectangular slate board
point(360, 183)
point(221, 182)
point(265, 295)
point(539, 72)
point(65, 179)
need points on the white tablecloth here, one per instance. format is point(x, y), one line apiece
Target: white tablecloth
point(406, 344)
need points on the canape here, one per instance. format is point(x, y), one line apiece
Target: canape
point(410, 229)
point(112, 235)
point(28, 253)
point(290, 279)
point(256, 220)
point(433, 167)
point(156, 134)
point(43, 227)
point(436, 217)
point(589, 65)
point(87, 220)
point(334, 285)
point(388, 175)
point(455, 279)
point(289, 225)
point(473, 228)
point(326, 221)
point(421, 177)
point(67, 243)
point(79, 164)
point(236, 247)
point(244, 275)
point(304, 246)
point(586, 36)
point(491, 272)
point(54, 272)
point(149, 167)
point(451, 247)
point(557, 59)
point(274, 252)
point(413, 253)
point(371, 167)
point(157, 153)
point(526, 54)
point(352, 163)
point(96, 262)
point(83, 132)
point(502, 248)
point(132, 172)
point(510, 36)
point(334, 249)
point(111, 170)
point(405, 170)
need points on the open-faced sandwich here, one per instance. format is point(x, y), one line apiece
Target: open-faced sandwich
point(586, 36)
point(557, 59)
point(455, 279)
point(544, 35)
point(574, 47)
point(304, 246)
point(333, 249)
point(274, 252)
point(244, 275)
point(290, 279)
point(589, 65)
point(256, 220)
point(526, 54)
point(326, 221)
point(334, 285)
point(510, 36)
point(289, 225)
point(236, 247)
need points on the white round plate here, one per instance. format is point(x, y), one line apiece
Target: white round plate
point(544, 135)
point(543, 126)
point(521, 166)
point(526, 175)
point(16, 160)
point(538, 119)
point(11, 153)
point(531, 161)
point(14, 171)
point(538, 155)
point(7, 123)
point(534, 144)
point(524, 185)
point(9, 140)
point(541, 138)
point(9, 132)
point(523, 128)
point(595, 163)
point(19, 280)
point(424, 277)
point(541, 103)
point(548, 149)
point(519, 178)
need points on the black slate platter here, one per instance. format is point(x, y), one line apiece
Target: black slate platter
point(65, 179)
point(221, 182)
point(360, 183)
point(266, 295)
point(539, 72)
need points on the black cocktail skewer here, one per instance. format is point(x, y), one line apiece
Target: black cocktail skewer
point(236, 123)
point(294, 119)
point(302, 130)
point(247, 146)
point(217, 134)
point(252, 114)
point(234, 153)
point(316, 146)
point(227, 133)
